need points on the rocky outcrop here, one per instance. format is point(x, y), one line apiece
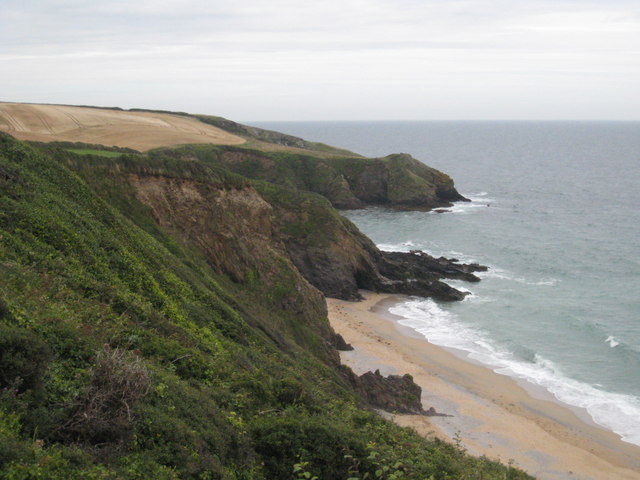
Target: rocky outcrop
point(420, 265)
point(395, 393)
point(340, 344)
point(399, 181)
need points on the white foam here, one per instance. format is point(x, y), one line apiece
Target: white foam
point(612, 341)
point(501, 274)
point(462, 257)
point(546, 281)
point(478, 201)
point(615, 411)
point(496, 272)
point(397, 247)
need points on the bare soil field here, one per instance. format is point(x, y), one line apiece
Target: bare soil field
point(138, 130)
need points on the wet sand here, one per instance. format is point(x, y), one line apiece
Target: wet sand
point(492, 414)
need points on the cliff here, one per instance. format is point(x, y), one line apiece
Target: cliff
point(398, 181)
point(159, 319)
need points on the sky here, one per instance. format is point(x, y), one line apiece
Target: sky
point(329, 60)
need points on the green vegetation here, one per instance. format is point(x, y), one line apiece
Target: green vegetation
point(347, 181)
point(126, 353)
point(93, 151)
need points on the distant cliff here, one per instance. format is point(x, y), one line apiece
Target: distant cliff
point(396, 181)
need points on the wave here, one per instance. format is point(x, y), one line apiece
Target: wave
point(501, 274)
point(615, 411)
point(398, 247)
point(423, 246)
point(477, 202)
point(612, 341)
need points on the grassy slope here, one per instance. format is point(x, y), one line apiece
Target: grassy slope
point(233, 390)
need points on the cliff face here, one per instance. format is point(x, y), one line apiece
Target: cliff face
point(399, 181)
point(234, 228)
point(338, 259)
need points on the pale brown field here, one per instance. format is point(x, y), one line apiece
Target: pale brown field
point(138, 130)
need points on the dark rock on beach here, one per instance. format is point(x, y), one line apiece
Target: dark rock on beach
point(394, 394)
point(340, 344)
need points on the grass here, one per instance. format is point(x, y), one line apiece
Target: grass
point(90, 151)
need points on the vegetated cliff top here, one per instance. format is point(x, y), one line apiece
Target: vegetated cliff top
point(345, 178)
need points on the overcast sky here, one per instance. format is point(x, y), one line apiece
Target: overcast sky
point(328, 60)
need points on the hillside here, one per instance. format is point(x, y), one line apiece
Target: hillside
point(346, 179)
point(138, 130)
point(142, 130)
point(159, 319)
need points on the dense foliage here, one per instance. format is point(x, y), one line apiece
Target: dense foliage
point(124, 354)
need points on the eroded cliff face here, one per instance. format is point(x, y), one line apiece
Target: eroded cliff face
point(234, 229)
point(289, 241)
point(214, 219)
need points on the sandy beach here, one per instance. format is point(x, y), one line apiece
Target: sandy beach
point(491, 414)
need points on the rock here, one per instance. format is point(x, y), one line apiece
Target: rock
point(431, 412)
point(421, 288)
point(420, 265)
point(340, 344)
point(395, 393)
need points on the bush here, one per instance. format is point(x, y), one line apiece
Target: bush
point(326, 448)
point(104, 413)
point(24, 359)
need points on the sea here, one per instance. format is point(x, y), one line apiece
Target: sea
point(555, 214)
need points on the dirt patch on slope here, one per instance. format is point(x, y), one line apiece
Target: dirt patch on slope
point(138, 130)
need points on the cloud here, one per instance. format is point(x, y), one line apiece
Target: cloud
point(401, 57)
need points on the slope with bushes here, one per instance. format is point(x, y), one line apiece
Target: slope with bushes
point(131, 348)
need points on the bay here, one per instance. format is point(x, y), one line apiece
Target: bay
point(555, 214)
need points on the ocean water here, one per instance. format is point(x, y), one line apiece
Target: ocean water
point(555, 214)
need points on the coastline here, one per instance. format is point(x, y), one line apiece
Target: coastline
point(492, 414)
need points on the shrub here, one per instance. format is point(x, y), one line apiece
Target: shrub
point(24, 358)
point(104, 413)
point(324, 446)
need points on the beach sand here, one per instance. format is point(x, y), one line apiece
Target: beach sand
point(492, 414)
